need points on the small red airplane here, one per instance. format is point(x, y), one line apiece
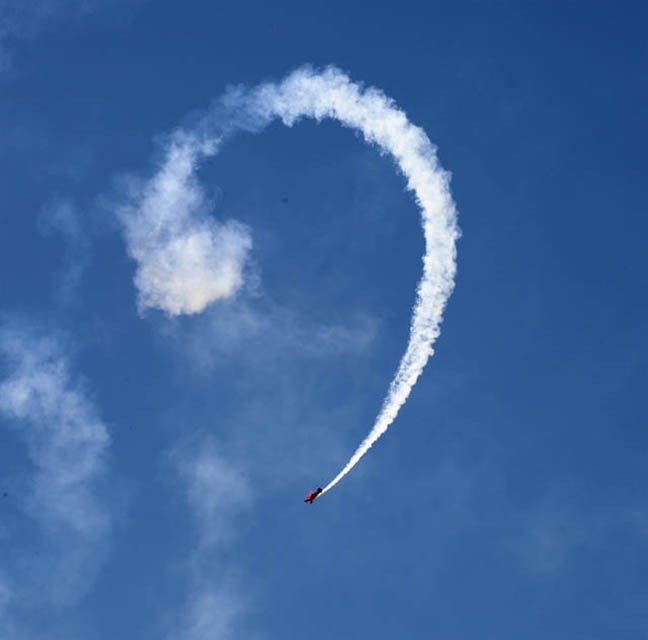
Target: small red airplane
point(313, 495)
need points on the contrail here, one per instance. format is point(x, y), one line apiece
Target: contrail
point(305, 93)
point(331, 94)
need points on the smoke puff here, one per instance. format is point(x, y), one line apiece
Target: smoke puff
point(185, 259)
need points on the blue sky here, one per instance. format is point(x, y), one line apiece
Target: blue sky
point(152, 466)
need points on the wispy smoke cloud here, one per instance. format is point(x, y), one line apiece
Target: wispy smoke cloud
point(62, 217)
point(20, 20)
point(67, 443)
point(212, 615)
point(217, 494)
point(186, 260)
point(216, 491)
point(261, 331)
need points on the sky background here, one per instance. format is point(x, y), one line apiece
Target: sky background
point(152, 469)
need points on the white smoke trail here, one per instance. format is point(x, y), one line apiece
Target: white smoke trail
point(331, 94)
point(318, 95)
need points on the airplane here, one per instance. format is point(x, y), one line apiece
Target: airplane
point(313, 495)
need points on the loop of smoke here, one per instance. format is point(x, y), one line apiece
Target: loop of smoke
point(186, 261)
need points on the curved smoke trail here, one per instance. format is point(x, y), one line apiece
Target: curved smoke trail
point(177, 268)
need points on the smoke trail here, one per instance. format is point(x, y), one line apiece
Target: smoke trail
point(319, 95)
point(331, 94)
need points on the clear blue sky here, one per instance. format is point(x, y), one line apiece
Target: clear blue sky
point(151, 485)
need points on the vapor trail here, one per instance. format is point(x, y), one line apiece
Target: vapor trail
point(305, 93)
point(331, 94)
